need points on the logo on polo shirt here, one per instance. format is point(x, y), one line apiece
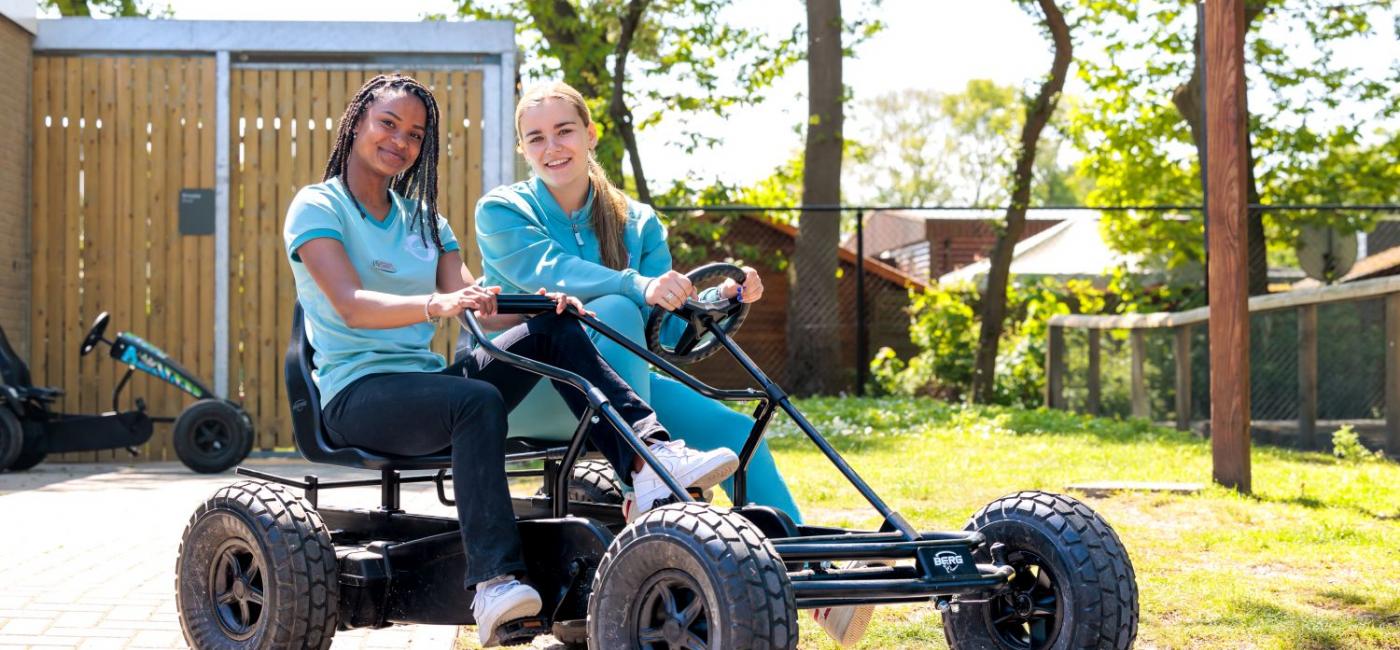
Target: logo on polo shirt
point(416, 247)
point(384, 266)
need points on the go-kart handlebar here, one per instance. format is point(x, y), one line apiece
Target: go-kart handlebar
point(598, 402)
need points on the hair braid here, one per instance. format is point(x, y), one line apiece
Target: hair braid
point(419, 183)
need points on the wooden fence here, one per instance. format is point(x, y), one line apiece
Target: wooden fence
point(1355, 348)
point(116, 139)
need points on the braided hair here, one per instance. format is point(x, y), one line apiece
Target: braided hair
point(419, 183)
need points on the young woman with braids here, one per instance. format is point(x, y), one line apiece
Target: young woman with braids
point(375, 265)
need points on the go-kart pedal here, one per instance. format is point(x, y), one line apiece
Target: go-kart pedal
point(521, 631)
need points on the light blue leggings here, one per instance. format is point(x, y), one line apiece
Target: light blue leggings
point(701, 422)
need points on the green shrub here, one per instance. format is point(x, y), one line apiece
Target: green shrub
point(1346, 445)
point(945, 326)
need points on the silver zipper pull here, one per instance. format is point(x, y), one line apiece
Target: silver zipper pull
point(577, 237)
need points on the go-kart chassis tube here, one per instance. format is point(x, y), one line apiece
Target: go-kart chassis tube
point(771, 391)
point(780, 397)
point(596, 399)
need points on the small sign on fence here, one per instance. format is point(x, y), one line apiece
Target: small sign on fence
point(196, 211)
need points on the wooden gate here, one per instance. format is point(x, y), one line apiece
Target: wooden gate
point(115, 139)
point(284, 120)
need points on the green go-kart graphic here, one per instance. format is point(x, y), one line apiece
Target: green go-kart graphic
point(211, 435)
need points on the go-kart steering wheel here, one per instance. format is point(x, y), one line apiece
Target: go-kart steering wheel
point(99, 327)
point(693, 345)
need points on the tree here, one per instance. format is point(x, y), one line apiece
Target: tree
point(114, 8)
point(922, 147)
point(1038, 114)
point(812, 302)
point(692, 59)
point(1312, 137)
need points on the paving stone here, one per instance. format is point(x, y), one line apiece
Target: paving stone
point(101, 575)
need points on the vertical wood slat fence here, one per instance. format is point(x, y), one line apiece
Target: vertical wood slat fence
point(115, 139)
point(1315, 341)
point(283, 124)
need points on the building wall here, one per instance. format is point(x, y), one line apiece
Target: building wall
point(16, 67)
point(955, 243)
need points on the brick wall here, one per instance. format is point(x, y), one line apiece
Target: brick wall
point(16, 67)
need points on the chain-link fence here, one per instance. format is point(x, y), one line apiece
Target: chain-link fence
point(1318, 360)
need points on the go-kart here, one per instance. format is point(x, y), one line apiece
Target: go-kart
point(210, 435)
point(263, 566)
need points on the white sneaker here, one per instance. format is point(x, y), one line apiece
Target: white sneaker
point(500, 600)
point(846, 624)
point(691, 468)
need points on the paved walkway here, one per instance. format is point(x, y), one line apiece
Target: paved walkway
point(87, 553)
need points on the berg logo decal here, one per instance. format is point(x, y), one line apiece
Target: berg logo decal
point(949, 560)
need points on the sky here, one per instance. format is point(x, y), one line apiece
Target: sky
point(927, 44)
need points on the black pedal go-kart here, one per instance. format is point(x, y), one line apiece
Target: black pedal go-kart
point(261, 565)
point(210, 435)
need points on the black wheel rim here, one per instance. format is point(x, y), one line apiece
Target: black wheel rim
point(212, 437)
point(1027, 615)
point(236, 589)
point(672, 613)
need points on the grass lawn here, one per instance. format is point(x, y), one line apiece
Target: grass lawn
point(1311, 560)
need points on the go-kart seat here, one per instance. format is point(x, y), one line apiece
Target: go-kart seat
point(313, 440)
point(319, 446)
point(14, 374)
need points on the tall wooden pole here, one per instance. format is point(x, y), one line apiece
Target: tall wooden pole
point(1226, 172)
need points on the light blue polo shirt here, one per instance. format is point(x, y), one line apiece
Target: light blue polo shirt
point(390, 257)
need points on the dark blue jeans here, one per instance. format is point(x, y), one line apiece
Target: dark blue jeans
point(464, 407)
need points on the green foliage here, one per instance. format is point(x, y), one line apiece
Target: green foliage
point(1318, 128)
point(1346, 445)
point(914, 142)
point(945, 324)
point(686, 57)
point(110, 8)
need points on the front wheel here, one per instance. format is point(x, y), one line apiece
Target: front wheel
point(1074, 586)
point(688, 575)
point(256, 569)
point(212, 435)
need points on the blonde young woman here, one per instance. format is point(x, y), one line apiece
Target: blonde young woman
point(568, 229)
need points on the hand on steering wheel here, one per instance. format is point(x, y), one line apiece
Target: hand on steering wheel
point(669, 290)
point(697, 342)
point(749, 290)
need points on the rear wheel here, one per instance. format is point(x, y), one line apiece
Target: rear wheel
point(256, 569)
point(11, 438)
point(1074, 585)
point(32, 452)
point(593, 481)
point(691, 576)
point(212, 435)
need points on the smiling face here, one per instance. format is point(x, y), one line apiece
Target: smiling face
point(390, 134)
point(556, 142)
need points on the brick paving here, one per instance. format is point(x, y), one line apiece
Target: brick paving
point(87, 553)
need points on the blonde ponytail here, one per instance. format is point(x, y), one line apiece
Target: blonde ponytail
point(609, 203)
point(609, 216)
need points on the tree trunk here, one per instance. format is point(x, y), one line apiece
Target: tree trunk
point(566, 32)
point(813, 304)
point(617, 107)
point(1037, 115)
point(1189, 100)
